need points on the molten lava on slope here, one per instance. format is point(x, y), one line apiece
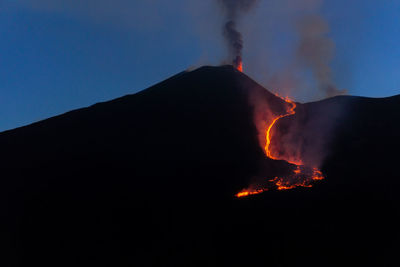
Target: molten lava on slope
point(302, 176)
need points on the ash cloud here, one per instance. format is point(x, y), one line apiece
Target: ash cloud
point(296, 26)
point(290, 49)
point(316, 51)
point(233, 10)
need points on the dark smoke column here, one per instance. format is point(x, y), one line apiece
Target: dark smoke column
point(233, 10)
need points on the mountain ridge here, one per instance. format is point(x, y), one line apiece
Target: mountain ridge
point(149, 179)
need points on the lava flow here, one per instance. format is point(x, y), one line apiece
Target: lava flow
point(268, 141)
point(302, 176)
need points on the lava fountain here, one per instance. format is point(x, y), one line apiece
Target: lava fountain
point(302, 176)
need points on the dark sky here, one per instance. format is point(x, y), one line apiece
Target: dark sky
point(58, 55)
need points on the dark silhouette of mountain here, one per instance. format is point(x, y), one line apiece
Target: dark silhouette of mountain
point(149, 180)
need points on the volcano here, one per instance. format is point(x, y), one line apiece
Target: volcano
point(150, 179)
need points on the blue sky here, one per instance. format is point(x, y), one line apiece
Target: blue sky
point(58, 55)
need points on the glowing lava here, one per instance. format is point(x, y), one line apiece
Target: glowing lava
point(302, 176)
point(268, 135)
point(239, 67)
point(246, 193)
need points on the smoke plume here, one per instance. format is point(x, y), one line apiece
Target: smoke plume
point(234, 9)
point(316, 51)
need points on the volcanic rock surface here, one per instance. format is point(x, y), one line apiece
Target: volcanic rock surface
point(149, 180)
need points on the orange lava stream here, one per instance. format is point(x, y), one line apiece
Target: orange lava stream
point(268, 143)
point(302, 176)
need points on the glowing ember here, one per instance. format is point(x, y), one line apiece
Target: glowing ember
point(245, 193)
point(317, 175)
point(283, 184)
point(302, 176)
point(239, 67)
point(297, 170)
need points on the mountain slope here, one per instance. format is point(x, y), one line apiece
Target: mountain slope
point(201, 116)
point(187, 142)
point(149, 180)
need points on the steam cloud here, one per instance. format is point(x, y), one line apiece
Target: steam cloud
point(234, 9)
point(316, 51)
